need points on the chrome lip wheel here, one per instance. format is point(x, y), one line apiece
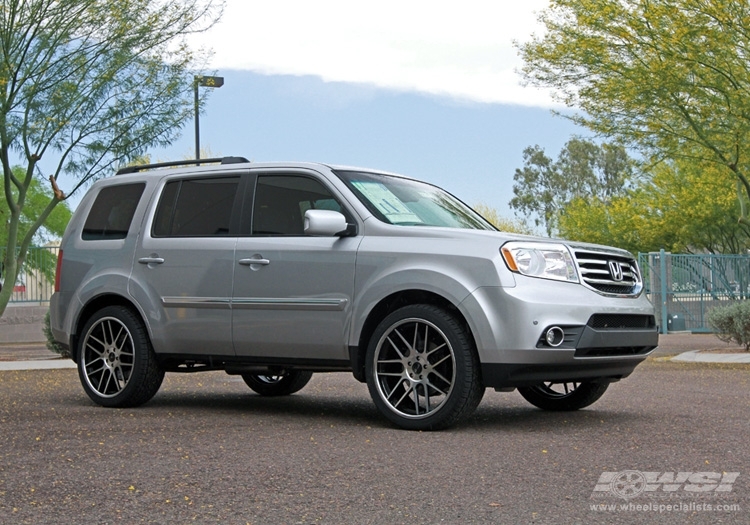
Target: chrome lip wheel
point(557, 390)
point(570, 395)
point(269, 380)
point(108, 356)
point(415, 368)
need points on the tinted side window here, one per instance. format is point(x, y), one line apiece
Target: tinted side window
point(196, 207)
point(282, 200)
point(112, 212)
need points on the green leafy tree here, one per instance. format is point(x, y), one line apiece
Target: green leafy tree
point(543, 187)
point(504, 224)
point(87, 85)
point(681, 207)
point(37, 197)
point(590, 169)
point(535, 189)
point(671, 77)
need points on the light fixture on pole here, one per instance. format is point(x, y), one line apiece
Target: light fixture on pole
point(203, 81)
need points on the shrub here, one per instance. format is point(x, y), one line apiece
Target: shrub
point(51, 343)
point(732, 323)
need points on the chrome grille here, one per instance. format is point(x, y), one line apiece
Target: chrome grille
point(621, 321)
point(609, 273)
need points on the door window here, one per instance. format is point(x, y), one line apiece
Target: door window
point(196, 208)
point(282, 200)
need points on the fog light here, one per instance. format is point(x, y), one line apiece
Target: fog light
point(555, 336)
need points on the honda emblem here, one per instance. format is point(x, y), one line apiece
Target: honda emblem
point(615, 270)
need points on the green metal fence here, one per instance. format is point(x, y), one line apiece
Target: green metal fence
point(684, 288)
point(36, 279)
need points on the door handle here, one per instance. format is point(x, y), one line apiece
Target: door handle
point(151, 260)
point(251, 262)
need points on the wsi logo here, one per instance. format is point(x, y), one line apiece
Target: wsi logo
point(628, 484)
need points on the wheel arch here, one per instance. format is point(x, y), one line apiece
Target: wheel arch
point(94, 305)
point(391, 303)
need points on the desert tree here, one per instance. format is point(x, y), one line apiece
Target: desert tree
point(85, 86)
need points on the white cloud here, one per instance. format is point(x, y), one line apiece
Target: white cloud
point(461, 48)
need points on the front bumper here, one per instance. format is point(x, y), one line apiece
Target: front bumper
point(501, 376)
point(597, 355)
point(605, 337)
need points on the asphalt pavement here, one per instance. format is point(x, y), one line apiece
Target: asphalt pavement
point(208, 450)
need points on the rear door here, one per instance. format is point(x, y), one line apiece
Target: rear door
point(292, 293)
point(184, 264)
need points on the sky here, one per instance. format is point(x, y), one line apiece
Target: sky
point(428, 89)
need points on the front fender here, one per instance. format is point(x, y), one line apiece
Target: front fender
point(380, 275)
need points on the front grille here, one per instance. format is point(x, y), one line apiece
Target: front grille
point(609, 273)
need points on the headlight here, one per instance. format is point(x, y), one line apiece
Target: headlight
point(543, 260)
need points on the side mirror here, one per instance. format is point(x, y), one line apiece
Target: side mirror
point(325, 223)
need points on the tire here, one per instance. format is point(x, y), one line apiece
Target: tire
point(564, 396)
point(277, 385)
point(422, 369)
point(116, 362)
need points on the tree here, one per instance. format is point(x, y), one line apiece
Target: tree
point(668, 76)
point(88, 85)
point(504, 224)
point(37, 197)
point(584, 169)
point(680, 206)
point(534, 188)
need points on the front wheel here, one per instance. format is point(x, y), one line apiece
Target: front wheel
point(422, 369)
point(277, 385)
point(116, 363)
point(563, 396)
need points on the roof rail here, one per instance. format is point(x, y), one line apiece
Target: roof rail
point(172, 164)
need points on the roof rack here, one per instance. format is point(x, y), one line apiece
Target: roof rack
point(193, 162)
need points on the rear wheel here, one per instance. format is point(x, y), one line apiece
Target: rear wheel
point(563, 396)
point(116, 363)
point(282, 384)
point(422, 370)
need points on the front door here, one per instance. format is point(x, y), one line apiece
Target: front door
point(292, 293)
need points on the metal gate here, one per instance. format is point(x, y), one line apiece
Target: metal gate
point(35, 282)
point(683, 288)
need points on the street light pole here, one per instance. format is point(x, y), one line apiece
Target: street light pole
point(197, 124)
point(200, 80)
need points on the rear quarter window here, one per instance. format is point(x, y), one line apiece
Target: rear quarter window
point(112, 212)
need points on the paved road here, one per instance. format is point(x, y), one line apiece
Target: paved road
point(207, 450)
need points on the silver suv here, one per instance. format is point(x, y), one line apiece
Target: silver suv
point(274, 271)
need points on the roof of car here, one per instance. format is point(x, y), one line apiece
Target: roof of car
point(217, 162)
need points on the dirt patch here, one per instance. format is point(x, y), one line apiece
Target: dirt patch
point(26, 352)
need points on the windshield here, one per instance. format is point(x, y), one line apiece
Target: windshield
point(407, 202)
